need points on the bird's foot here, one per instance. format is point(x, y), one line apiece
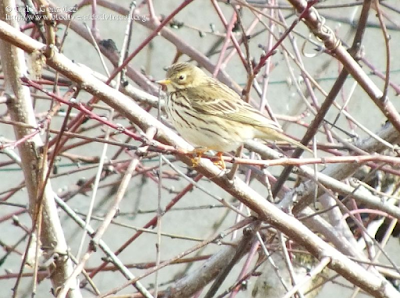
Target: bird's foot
point(220, 163)
point(197, 154)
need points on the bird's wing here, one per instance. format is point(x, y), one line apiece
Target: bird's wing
point(219, 100)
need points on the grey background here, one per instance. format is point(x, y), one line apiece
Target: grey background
point(282, 97)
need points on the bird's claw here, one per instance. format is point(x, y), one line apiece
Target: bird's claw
point(197, 154)
point(195, 161)
point(220, 163)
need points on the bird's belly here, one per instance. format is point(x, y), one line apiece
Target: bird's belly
point(206, 137)
point(208, 131)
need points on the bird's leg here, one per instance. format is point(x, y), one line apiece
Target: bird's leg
point(197, 154)
point(220, 163)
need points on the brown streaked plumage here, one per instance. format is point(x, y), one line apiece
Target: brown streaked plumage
point(210, 115)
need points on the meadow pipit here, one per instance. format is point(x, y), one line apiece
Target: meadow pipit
point(210, 115)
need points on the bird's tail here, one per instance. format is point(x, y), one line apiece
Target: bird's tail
point(273, 135)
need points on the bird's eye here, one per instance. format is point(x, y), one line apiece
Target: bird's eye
point(181, 77)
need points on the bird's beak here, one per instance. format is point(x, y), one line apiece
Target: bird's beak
point(164, 82)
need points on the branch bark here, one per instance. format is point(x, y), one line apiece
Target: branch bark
point(20, 107)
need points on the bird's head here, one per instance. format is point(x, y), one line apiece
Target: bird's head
point(182, 76)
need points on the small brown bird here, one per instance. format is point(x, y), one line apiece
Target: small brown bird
point(210, 115)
